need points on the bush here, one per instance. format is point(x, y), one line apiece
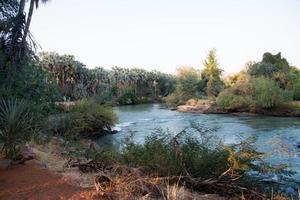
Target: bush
point(128, 98)
point(174, 99)
point(202, 157)
point(296, 90)
point(233, 102)
point(89, 117)
point(16, 126)
point(266, 93)
point(236, 98)
point(64, 124)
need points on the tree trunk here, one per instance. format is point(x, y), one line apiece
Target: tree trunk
point(14, 54)
point(28, 21)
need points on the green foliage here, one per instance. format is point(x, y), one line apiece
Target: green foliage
point(269, 66)
point(233, 102)
point(123, 85)
point(202, 156)
point(168, 155)
point(188, 79)
point(174, 99)
point(266, 93)
point(30, 83)
point(96, 117)
point(88, 117)
point(16, 126)
point(296, 89)
point(128, 98)
point(212, 75)
point(187, 86)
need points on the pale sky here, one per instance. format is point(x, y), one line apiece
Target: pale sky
point(166, 34)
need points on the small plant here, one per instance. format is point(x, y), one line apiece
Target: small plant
point(16, 126)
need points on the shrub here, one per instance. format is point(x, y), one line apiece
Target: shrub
point(93, 118)
point(128, 98)
point(236, 98)
point(233, 102)
point(202, 156)
point(296, 90)
point(16, 126)
point(174, 99)
point(166, 155)
point(266, 93)
point(88, 117)
point(64, 124)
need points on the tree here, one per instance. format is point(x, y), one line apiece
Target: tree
point(272, 66)
point(29, 17)
point(16, 49)
point(188, 79)
point(212, 75)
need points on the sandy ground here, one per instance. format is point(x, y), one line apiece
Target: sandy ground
point(32, 182)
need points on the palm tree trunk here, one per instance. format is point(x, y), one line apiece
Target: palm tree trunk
point(17, 31)
point(28, 21)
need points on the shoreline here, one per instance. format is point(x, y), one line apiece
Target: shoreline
point(208, 109)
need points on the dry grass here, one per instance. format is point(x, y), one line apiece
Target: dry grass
point(50, 155)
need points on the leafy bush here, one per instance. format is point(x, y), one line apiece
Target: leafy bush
point(202, 157)
point(237, 98)
point(88, 117)
point(128, 98)
point(266, 93)
point(296, 90)
point(233, 102)
point(16, 126)
point(173, 99)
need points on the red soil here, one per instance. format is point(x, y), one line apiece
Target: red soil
point(33, 183)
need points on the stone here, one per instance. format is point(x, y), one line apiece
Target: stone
point(5, 163)
point(25, 154)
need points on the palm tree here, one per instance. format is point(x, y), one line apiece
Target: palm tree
point(29, 17)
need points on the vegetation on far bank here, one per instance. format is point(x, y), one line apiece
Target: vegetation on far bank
point(268, 85)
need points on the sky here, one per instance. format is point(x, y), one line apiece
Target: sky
point(166, 34)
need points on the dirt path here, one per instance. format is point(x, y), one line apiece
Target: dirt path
point(31, 182)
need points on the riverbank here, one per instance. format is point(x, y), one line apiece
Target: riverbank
point(289, 109)
point(51, 175)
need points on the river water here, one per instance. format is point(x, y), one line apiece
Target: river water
point(277, 136)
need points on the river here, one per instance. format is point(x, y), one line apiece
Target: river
point(279, 137)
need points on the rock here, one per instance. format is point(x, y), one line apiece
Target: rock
point(25, 154)
point(4, 164)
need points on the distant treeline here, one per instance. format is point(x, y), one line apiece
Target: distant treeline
point(126, 86)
